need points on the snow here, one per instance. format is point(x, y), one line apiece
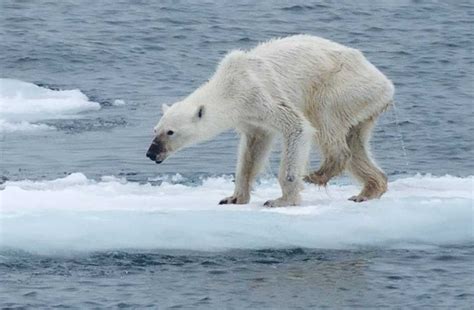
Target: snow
point(23, 105)
point(79, 214)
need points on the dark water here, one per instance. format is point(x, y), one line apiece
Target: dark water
point(152, 52)
point(265, 279)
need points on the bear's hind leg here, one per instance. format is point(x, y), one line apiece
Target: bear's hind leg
point(361, 164)
point(336, 154)
point(254, 149)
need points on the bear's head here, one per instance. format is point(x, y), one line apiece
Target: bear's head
point(183, 124)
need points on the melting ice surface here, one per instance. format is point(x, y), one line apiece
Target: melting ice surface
point(79, 214)
point(24, 105)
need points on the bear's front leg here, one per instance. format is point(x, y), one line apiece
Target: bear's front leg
point(294, 159)
point(255, 144)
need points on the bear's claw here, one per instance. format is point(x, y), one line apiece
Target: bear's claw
point(359, 198)
point(268, 203)
point(317, 178)
point(233, 200)
point(279, 203)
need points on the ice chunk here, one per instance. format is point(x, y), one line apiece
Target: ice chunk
point(23, 105)
point(77, 213)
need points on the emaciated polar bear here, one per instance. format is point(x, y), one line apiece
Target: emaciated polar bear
point(303, 87)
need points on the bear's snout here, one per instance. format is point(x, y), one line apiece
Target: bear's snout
point(156, 151)
point(151, 155)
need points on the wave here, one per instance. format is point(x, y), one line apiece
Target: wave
point(24, 105)
point(79, 214)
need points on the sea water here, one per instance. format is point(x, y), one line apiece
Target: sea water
point(86, 221)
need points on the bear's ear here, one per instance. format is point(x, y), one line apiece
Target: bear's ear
point(200, 112)
point(164, 108)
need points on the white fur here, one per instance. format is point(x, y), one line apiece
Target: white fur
point(298, 87)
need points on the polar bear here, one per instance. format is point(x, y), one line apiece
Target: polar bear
point(303, 88)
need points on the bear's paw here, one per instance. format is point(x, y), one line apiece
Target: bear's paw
point(234, 199)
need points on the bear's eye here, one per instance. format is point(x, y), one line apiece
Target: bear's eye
point(170, 132)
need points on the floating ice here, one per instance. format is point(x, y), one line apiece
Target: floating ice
point(119, 102)
point(22, 103)
point(22, 126)
point(79, 214)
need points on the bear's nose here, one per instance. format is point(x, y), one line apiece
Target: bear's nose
point(156, 151)
point(151, 155)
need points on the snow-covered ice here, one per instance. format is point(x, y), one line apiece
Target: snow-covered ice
point(79, 214)
point(24, 105)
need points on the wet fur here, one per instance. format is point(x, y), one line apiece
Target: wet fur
point(307, 90)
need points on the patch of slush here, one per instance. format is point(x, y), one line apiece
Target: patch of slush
point(118, 102)
point(79, 214)
point(8, 127)
point(23, 105)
